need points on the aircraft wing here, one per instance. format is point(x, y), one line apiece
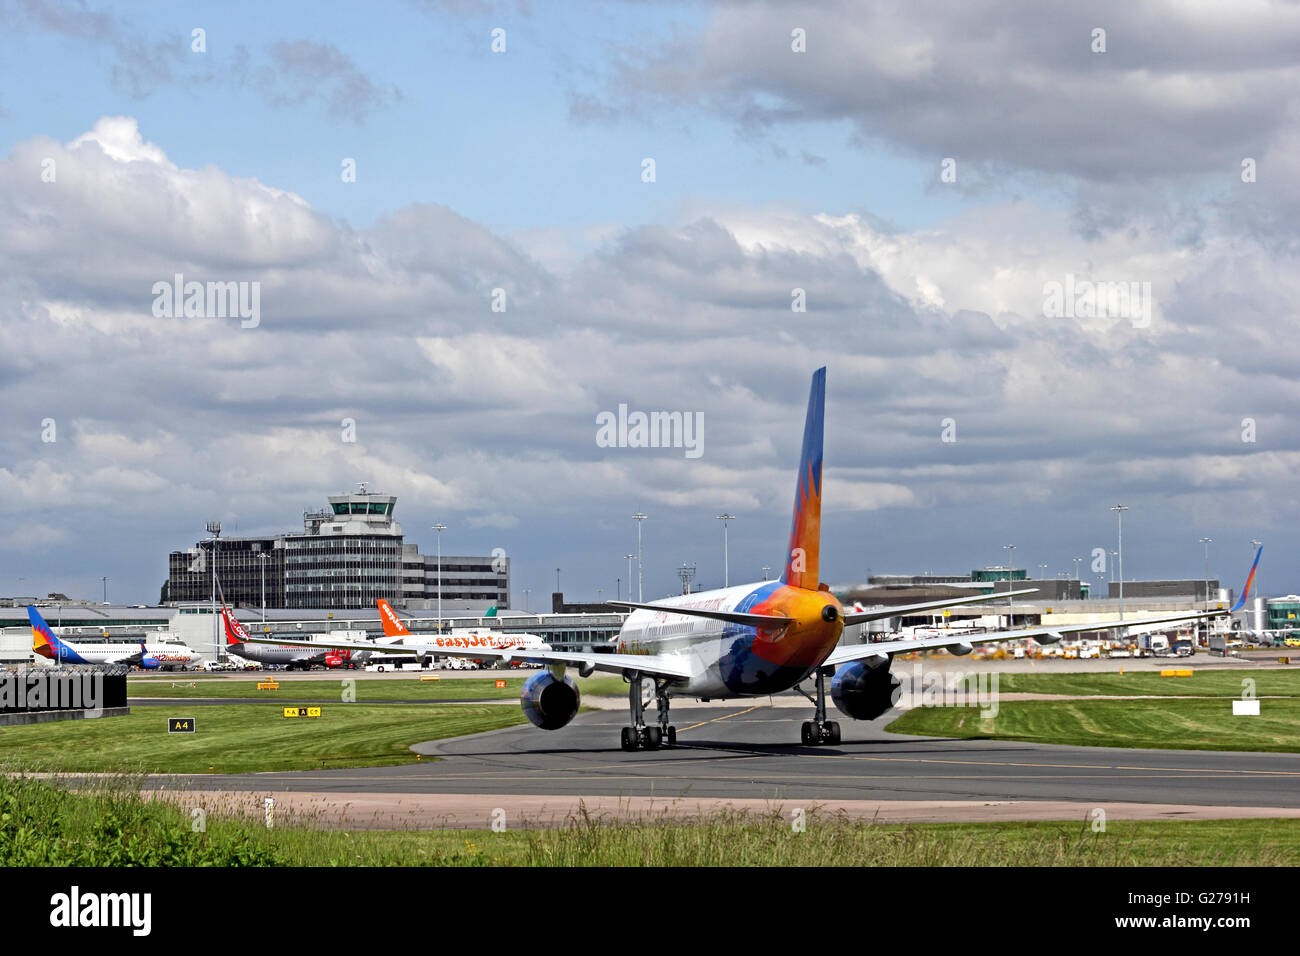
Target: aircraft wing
point(963, 643)
point(658, 665)
point(898, 610)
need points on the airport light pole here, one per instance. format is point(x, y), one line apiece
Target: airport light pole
point(1077, 562)
point(105, 582)
point(629, 574)
point(1119, 514)
point(726, 561)
point(440, 528)
point(686, 572)
point(1011, 601)
point(766, 571)
point(214, 528)
point(640, 568)
point(527, 604)
point(1206, 542)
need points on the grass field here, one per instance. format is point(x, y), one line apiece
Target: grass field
point(1269, 682)
point(1160, 724)
point(243, 738)
point(372, 689)
point(43, 825)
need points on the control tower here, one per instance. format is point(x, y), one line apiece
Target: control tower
point(361, 512)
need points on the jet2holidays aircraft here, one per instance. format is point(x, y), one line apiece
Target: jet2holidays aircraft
point(758, 639)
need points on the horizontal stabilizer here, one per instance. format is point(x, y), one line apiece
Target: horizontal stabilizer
point(731, 617)
point(879, 614)
point(651, 665)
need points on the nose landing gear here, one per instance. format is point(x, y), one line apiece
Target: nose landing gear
point(641, 736)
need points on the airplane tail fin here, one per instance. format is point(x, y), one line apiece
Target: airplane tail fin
point(491, 612)
point(801, 561)
point(1250, 578)
point(235, 633)
point(393, 626)
point(44, 643)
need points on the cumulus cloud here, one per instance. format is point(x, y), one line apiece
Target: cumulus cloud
point(490, 416)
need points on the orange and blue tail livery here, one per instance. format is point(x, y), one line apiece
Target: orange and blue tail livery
point(1250, 579)
point(802, 557)
point(45, 644)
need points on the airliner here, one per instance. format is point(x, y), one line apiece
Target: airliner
point(397, 634)
point(46, 644)
point(757, 639)
point(239, 643)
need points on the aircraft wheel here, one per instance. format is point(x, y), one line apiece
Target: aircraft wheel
point(806, 733)
point(832, 731)
point(671, 739)
point(629, 740)
point(653, 738)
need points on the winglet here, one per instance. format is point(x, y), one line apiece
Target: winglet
point(1245, 592)
point(801, 560)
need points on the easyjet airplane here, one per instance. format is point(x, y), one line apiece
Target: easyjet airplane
point(759, 639)
point(397, 634)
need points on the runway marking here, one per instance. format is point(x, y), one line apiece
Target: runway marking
point(714, 720)
point(1071, 766)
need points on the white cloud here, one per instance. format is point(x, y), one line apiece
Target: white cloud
point(491, 416)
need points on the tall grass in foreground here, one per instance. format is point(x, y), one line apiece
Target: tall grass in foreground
point(42, 824)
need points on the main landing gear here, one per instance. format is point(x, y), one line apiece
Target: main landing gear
point(819, 730)
point(640, 736)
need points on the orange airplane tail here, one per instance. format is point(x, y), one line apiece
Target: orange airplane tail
point(393, 626)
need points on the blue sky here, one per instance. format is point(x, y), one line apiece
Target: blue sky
point(488, 134)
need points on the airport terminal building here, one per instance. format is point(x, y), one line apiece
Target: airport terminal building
point(345, 557)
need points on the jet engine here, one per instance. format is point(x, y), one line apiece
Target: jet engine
point(549, 702)
point(865, 689)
